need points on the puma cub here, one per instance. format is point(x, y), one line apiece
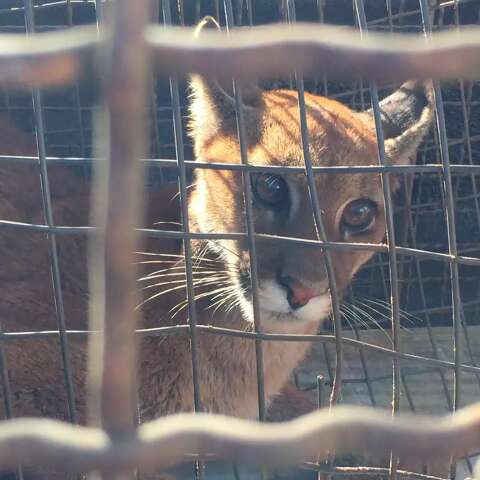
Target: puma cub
point(293, 287)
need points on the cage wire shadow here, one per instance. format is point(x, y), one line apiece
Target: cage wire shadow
point(452, 260)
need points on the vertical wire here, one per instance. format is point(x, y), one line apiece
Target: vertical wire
point(48, 213)
point(76, 94)
point(328, 363)
point(366, 373)
point(466, 112)
point(401, 273)
point(182, 180)
point(433, 342)
point(153, 103)
point(198, 10)
point(320, 403)
point(431, 336)
point(321, 235)
point(321, 19)
point(320, 228)
point(7, 392)
point(239, 12)
point(99, 12)
point(392, 254)
point(320, 391)
point(284, 6)
point(363, 360)
point(181, 12)
point(389, 14)
point(77, 106)
point(439, 22)
point(450, 218)
point(247, 192)
point(401, 12)
point(412, 227)
point(250, 12)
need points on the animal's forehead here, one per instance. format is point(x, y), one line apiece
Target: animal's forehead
point(336, 135)
point(339, 187)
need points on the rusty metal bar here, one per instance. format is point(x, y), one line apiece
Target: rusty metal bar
point(48, 59)
point(57, 58)
point(117, 211)
point(166, 441)
point(308, 48)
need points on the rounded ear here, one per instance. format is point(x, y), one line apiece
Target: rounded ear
point(212, 105)
point(406, 118)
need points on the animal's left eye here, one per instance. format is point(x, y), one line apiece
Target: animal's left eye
point(359, 216)
point(271, 190)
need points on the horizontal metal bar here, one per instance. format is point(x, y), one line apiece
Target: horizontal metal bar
point(48, 59)
point(54, 58)
point(64, 230)
point(443, 309)
point(32, 335)
point(321, 338)
point(366, 472)
point(309, 48)
point(464, 169)
point(164, 442)
point(47, 6)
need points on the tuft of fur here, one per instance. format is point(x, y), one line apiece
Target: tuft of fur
point(212, 104)
point(406, 118)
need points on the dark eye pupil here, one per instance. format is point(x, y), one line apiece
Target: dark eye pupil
point(270, 189)
point(359, 215)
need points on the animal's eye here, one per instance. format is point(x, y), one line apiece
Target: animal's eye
point(359, 216)
point(270, 189)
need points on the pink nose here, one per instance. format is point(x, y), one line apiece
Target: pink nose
point(298, 294)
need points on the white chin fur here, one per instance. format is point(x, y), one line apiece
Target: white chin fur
point(274, 307)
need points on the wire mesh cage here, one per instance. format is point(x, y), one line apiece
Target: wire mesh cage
point(425, 306)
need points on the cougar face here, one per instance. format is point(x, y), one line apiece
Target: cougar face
point(292, 281)
point(293, 286)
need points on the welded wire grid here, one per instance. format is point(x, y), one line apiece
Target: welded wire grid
point(434, 287)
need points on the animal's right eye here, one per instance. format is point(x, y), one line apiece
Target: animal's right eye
point(271, 190)
point(359, 216)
